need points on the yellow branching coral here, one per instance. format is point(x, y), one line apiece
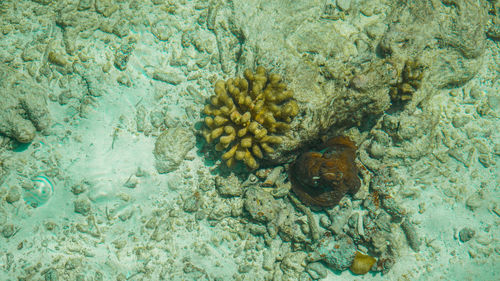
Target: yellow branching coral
point(408, 82)
point(247, 115)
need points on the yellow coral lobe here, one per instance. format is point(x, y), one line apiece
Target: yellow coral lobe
point(259, 105)
point(250, 161)
point(219, 121)
point(253, 127)
point(242, 132)
point(246, 142)
point(216, 133)
point(280, 126)
point(207, 134)
point(225, 111)
point(214, 100)
point(272, 139)
point(248, 74)
point(245, 117)
point(208, 110)
point(274, 78)
point(239, 154)
point(230, 162)
point(269, 119)
point(230, 153)
point(260, 133)
point(362, 263)
point(229, 130)
point(220, 89)
point(260, 70)
point(257, 151)
point(235, 117)
point(267, 148)
point(209, 121)
point(220, 146)
point(225, 140)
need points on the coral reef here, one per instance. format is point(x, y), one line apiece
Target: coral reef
point(323, 178)
point(247, 116)
point(408, 82)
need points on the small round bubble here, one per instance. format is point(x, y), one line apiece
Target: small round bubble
point(42, 191)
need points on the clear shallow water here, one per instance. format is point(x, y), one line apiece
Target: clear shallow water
point(116, 77)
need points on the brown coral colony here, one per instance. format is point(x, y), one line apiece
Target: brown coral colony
point(247, 115)
point(323, 178)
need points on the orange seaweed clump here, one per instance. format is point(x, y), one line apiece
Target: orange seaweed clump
point(322, 178)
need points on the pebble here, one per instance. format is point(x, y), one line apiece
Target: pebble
point(317, 270)
point(13, 196)
point(192, 203)
point(466, 234)
point(344, 5)
point(170, 77)
point(8, 230)
point(260, 204)
point(82, 206)
point(293, 261)
point(229, 186)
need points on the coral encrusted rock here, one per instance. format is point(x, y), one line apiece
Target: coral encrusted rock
point(23, 106)
point(246, 116)
point(408, 82)
point(171, 148)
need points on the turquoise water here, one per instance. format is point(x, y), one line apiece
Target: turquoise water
point(192, 140)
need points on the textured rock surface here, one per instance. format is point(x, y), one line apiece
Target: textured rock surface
point(171, 148)
point(317, 69)
point(23, 106)
point(260, 204)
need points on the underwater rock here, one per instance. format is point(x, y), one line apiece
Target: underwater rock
point(123, 53)
point(408, 82)
point(466, 234)
point(23, 107)
point(317, 270)
point(192, 203)
point(8, 230)
point(411, 235)
point(82, 206)
point(293, 263)
point(337, 252)
point(171, 148)
point(13, 195)
point(260, 204)
point(229, 186)
point(461, 38)
point(323, 178)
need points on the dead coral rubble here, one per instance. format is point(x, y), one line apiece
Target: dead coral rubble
point(23, 107)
